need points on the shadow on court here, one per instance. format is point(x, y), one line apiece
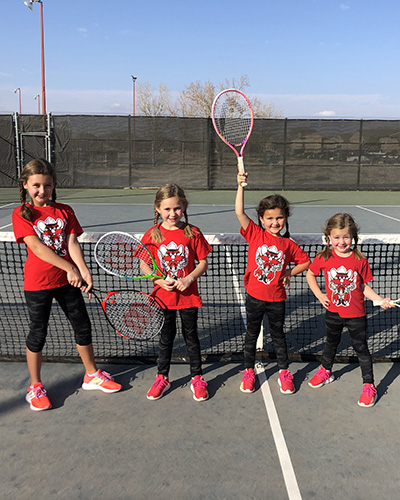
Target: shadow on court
point(121, 446)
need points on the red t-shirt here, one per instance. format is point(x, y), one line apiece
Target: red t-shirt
point(51, 225)
point(343, 279)
point(268, 257)
point(177, 256)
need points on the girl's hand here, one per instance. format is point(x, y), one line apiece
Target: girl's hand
point(87, 284)
point(74, 277)
point(167, 284)
point(387, 303)
point(183, 283)
point(286, 278)
point(323, 298)
point(241, 178)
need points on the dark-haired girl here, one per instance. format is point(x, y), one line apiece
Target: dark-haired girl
point(270, 252)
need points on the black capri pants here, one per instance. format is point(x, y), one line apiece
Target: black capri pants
point(71, 302)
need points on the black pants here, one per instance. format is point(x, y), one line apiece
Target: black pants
point(190, 335)
point(39, 306)
point(357, 328)
point(275, 311)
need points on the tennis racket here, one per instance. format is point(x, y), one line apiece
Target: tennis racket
point(125, 256)
point(232, 117)
point(132, 314)
point(392, 302)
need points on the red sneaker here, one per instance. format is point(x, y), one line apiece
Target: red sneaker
point(158, 388)
point(369, 396)
point(37, 397)
point(285, 381)
point(101, 381)
point(321, 378)
point(199, 388)
point(248, 380)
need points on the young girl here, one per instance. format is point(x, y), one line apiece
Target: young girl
point(180, 250)
point(347, 274)
point(54, 268)
point(266, 276)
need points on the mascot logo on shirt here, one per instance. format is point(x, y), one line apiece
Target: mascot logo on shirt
point(51, 234)
point(174, 259)
point(342, 282)
point(269, 261)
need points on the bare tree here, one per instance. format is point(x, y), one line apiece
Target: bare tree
point(196, 99)
point(152, 103)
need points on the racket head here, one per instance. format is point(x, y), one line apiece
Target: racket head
point(133, 314)
point(233, 118)
point(121, 254)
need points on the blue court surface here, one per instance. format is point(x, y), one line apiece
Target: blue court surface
point(316, 443)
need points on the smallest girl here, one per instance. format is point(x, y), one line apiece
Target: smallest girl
point(180, 251)
point(347, 273)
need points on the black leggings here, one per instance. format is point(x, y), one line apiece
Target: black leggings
point(39, 306)
point(275, 311)
point(357, 328)
point(189, 332)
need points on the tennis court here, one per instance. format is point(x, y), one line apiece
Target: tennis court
point(315, 443)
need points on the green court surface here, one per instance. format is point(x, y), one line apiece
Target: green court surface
point(126, 196)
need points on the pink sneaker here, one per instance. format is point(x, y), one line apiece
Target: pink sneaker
point(199, 388)
point(101, 381)
point(158, 388)
point(321, 378)
point(248, 379)
point(285, 381)
point(369, 396)
point(37, 397)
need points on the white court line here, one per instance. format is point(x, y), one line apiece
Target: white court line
point(378, 213)
point(8, 204)
point(284, 458)
point(3, 227)
point(276, 429)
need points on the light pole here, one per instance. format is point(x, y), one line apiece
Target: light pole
point(37, 96)
point(134, 78)
point(29, 3)
point(19, 97)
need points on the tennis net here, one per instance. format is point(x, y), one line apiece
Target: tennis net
point(222, 320)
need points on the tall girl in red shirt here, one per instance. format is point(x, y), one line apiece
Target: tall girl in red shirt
point(347, 273)
point(54, 269)
point(180, 250)
point(267, 274)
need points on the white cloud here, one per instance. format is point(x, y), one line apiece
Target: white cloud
point(344, 6)
point(325, 114)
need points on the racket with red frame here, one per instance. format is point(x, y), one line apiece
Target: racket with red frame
point(132, 314)
point(233, 119)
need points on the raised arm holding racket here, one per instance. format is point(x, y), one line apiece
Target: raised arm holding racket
point(232, 117)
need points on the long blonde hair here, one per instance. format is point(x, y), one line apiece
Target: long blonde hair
point(341, 221)
point(165, 192)
point(34, 167)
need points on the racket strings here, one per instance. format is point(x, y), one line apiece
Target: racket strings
point(134, 315)
point(120, 254)
point(232, 116)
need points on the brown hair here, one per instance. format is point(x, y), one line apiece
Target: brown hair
point(34, 167)
point(341, 221)
point(165, 192)
point(271, 203)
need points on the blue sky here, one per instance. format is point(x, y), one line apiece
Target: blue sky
point(309, 58)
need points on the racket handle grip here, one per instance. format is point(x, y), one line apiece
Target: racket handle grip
point(380, 302)
point(241, 168)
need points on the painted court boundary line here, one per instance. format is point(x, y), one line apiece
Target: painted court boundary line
point(284, 458)
point(378, 213)
point(289, 476)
